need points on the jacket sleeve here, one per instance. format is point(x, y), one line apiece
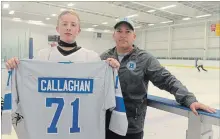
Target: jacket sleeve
point(104, 56)
point(164, 80)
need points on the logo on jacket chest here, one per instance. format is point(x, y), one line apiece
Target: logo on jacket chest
point(131, 65)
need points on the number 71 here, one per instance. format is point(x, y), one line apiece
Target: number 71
point(75, 114)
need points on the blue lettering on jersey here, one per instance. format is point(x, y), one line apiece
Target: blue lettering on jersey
point(65, 85)
point(60, 102)
point(75, 114)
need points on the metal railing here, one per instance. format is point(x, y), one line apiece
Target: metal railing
point(199, 127)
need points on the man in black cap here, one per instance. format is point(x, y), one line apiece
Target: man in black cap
point(137, 68)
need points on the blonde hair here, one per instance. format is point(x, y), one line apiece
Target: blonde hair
point(67, 12)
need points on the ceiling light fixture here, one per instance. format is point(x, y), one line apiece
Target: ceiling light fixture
point(11, 12)
point(150, 24)
point(138, 3)
point(5, 6)
point(16, 19)
point(134, 15)
point(35, 22)
point(151, 11)
point(62, 10)
point(104, 23)
point(106, 30)
point(167, 7)
point(203, 15)
point(187, 18)
point(70, 4)
point(166, 22)
point(90, 29)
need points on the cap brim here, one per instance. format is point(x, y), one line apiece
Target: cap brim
point(123, 22)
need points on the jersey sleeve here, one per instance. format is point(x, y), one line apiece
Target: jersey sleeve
point(14, 89)
point(93, 56)
point(6, 107)
point(17, 117)
point(118, 122)
point(43, 54)
point(109, 89)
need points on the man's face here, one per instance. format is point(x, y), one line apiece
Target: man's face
point(124, 36)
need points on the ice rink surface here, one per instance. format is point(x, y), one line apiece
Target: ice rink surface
point(205, 86)
point(164, 125)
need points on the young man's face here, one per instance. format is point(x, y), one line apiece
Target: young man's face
point(124, 36)
point(68, 28)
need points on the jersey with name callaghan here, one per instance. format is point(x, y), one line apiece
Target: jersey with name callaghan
point(63, 101)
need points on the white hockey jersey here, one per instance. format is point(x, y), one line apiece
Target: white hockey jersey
point(66, 102)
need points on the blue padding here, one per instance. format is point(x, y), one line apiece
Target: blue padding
point(66, 62)
point(31, 50)
point(173, 103)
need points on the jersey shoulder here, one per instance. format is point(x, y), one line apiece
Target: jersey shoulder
point(92, 55)
point(43, 54)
